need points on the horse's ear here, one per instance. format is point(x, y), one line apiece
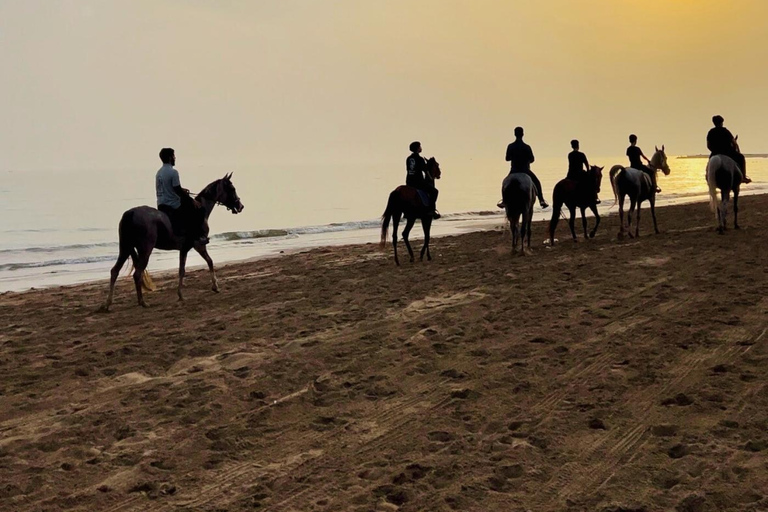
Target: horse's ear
point(662, 148)
point(736, 138)
point(603, 167)
point(657, 148)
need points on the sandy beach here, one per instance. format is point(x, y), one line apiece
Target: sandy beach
point(598, 376)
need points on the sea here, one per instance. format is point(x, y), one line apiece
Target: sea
point(60, 227)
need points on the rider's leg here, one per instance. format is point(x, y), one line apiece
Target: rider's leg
point(539, 191)
point(433, 193)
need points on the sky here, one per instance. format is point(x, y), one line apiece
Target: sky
point(87, 84)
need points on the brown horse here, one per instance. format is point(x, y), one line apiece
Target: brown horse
point(405, 201)
point(144, 228)
point(576, 194)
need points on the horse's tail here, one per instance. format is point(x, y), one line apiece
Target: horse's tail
point(712, 183)
point(147, 283)
point(614, 174)
point(388, 211)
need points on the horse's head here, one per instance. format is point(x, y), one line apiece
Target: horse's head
point(659, 161)
point(596, 173)
point(433, 168)
point(223, 191)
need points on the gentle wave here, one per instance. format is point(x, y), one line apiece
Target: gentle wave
point(59, 248)
point(53, 263)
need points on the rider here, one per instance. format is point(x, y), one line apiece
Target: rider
point(186, 214)
point(635, 153)
point(720, 141)
point(578, 165)
point(520, 156)
point(416, 168)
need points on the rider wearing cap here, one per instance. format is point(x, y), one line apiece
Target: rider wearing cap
point(720, 141)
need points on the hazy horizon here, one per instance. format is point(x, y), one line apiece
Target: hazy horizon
point(91, 84)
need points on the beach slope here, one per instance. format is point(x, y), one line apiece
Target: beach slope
point(602, 375)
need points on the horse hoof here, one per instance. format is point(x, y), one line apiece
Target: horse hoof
point(143, 304)
point(592, 235)
point(736, 226)
point(215, 289)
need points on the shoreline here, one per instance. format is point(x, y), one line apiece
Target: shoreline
point(483, 221)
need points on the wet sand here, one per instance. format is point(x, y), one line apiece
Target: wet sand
point(604, 375)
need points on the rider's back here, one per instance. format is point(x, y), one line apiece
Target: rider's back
point(520, 156)
point(165, 180)
point(720, 141)
point(414, 167)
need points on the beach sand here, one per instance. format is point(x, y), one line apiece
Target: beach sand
point(604, 375)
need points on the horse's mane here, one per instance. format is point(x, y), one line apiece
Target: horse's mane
point(209, 190)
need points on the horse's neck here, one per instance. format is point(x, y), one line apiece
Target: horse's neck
point(208, 204)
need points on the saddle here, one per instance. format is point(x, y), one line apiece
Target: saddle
point(425, 199)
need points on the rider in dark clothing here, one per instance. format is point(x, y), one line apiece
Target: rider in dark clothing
point(635, 153)
point(720, 141)
point(520, 156)
point(578, 165)
point(416, 169)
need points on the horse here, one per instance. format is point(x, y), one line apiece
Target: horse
point(519, 195)
point(406, 201)
point(639, 186)
point(724, 173)
point(576, 194)
point(144, 228)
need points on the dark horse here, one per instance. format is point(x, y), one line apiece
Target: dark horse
point(406, 201)
point(519, 194)
point(144, 228)
point(576, 194)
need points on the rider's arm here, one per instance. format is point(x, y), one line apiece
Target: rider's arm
point(181, 192)
point(509, 153)
point(586, 162)
point(643, 155)
point(531, 159)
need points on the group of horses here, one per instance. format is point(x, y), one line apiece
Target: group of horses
point(143, 229)
point(519, 195)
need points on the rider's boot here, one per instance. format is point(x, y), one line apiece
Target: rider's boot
point(747, 179)
point(544, 205)
point(501, 204)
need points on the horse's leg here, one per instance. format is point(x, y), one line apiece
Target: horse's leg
point(621, 216)
point(553, 222)
point(113, 275)
point(395, 222)
point(632, 204)
point(426, 224)
point(203, 252)
point(652, 200)
point(409, 222)
point(182, 270)
point(140, 265)
point(597, 220)
point(513, 228)
point(528, 222)
point(736, 208)
point(572, 222)
point(584, 223)
point(637, 221)
point(726, 197)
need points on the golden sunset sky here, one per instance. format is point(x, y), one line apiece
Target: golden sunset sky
point(87, 83)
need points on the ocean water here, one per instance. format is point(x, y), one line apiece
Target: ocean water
point(59, 228)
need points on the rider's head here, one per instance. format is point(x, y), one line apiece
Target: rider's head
point(633, 139)
point(575, 144)
point(519, 132)
point(168, 156)
point(718, 121)
point(415, 146)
